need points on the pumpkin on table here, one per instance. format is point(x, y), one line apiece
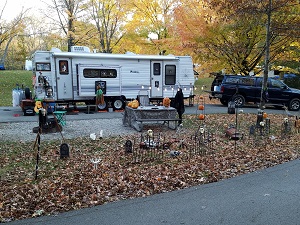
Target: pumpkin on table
point(166, 102)
point(133, 104)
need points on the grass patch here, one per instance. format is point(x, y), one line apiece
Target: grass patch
point(8, 81)
point(202, 85)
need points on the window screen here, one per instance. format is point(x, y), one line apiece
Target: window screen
point(170, 73)
point(100, 73)
point(63, 67)
point(43, 67)
point(156, 68)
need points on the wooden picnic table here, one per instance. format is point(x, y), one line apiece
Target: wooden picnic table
point(149, 114)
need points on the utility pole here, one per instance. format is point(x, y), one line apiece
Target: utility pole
point(267, 57)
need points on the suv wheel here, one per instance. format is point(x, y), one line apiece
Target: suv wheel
point(238, 100)
point(294, 104)
point(224, 102)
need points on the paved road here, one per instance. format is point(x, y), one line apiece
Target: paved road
point(15, 114)
point(266, 197)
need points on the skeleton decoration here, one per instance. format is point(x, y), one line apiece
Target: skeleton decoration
point(95, 162)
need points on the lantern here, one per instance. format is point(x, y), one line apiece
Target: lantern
point(201, 117)
point(201, 107)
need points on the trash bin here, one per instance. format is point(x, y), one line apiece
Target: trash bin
point(16, 97)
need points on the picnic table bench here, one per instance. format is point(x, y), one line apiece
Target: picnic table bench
point(160, 120)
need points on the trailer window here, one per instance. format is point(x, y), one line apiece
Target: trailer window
point(156, 68)
point(170, 78)
point(43, 67)
point(100, 73)
point(63, 67)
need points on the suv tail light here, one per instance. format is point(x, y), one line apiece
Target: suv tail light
point(222, 89)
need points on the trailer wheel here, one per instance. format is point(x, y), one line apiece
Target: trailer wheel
point(102, 106)
point(118, 104)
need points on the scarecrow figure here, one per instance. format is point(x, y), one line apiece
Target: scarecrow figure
point(38, 106)
point(179, 104)
point(99, 96)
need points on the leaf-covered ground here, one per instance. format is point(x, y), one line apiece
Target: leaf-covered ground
point(73, 183)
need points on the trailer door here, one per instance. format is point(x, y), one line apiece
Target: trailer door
point(156, 79)
point(64, 82)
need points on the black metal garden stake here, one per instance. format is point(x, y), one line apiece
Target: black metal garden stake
point(37, 155)
point(38, 139)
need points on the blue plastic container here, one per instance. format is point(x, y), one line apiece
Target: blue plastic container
point(50, 108)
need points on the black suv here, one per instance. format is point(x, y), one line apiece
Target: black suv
point(241, 89)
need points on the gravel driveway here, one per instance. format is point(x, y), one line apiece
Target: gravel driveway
point(23, 131)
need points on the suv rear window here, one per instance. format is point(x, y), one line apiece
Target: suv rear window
point(240, 80)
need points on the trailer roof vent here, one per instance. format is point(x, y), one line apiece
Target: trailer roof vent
point(80, 49)
point(130, 53)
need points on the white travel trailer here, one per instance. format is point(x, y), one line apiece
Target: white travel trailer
point(70, 77)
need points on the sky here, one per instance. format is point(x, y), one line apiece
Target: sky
point(14, 7)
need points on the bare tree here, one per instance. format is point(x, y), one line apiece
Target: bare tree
point(9, 30)
point(108, 16)
point(66, 13)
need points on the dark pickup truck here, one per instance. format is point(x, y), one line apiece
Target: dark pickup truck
point(242, 89)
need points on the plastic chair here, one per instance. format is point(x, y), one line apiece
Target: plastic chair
point(143, 98)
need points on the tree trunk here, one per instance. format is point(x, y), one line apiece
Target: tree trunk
point(3, 58)
point(267, 59)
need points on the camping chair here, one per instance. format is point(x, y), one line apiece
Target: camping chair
point(143, 98)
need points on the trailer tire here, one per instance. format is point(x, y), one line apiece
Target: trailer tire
point(102, 106)
point(118, 104)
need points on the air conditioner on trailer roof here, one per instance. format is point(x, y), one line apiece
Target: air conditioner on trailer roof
point(80, 49)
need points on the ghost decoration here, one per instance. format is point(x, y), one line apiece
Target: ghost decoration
point(93, 136)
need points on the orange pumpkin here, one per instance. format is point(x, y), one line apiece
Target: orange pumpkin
point(201, 97)
point(135, 104)
point(201, 107)
point(166, 102)
point(201, 117)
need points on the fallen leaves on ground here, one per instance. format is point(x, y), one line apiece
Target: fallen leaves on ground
point(73, 183)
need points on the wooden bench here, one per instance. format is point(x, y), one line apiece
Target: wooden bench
point(157, 120)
